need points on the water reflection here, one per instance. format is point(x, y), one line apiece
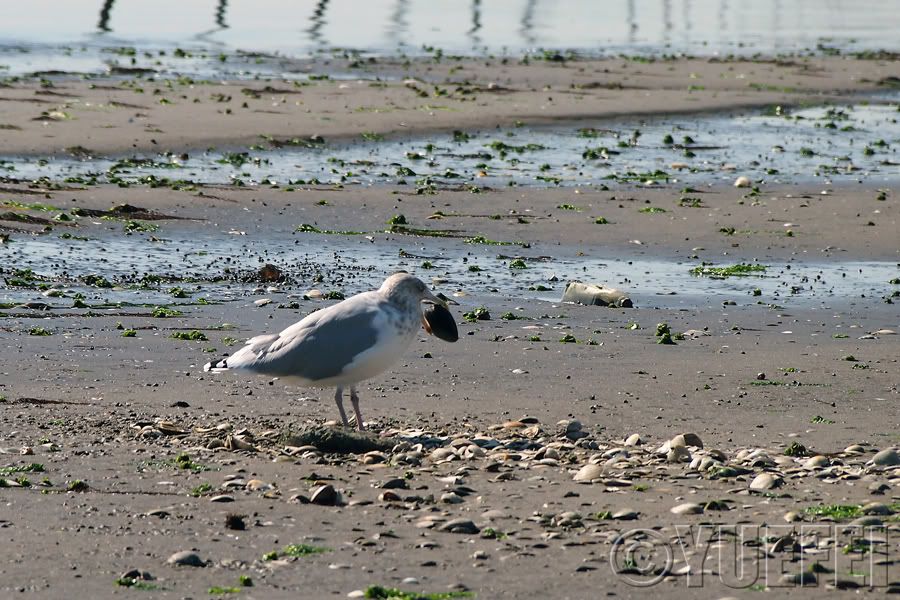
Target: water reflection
point(701, 27)
point(318, 22)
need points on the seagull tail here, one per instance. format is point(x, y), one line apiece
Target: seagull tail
point(219, 366)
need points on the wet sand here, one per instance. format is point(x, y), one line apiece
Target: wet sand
point(88, 403)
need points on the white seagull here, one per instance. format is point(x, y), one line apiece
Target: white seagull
point(342, 344)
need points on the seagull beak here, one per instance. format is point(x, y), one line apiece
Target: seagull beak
point(432, 299)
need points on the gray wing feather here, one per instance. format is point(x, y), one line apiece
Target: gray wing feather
point(316, 348)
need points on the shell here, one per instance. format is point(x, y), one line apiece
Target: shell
point(441, 322)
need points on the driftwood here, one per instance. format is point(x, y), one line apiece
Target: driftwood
point(595, 295)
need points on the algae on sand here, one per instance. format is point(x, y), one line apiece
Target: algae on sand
point(738, 270)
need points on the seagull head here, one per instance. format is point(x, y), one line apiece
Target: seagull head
point(403, 288)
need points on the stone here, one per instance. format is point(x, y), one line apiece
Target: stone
point(222, 498)
point(803, 578)
point(688, 508)
point(625, 514)
point(443, 454)
point(451, 498)
point(678, 454)
point(816, 462)
point(876, 508)
point(765, 481)
point(186, 558)
point(460, 526)
point(867, 521)
point(742, 182)
point(633, 440)
point(324, 495)
point(689, 439)
point(887, 458)
point(589, 472)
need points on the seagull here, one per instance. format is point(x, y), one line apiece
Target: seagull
point(342, 344)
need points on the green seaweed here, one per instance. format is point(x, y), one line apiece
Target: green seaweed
point(738, 270)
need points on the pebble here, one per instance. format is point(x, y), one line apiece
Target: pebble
point(396, 483)
point(678, 454)
point(460, 526)
point(688, 508)
point(876, 508)
point(625, 514)
point(451, 498)
point(765, 481)
point(186, 558)
point(867, 521)
point(793, 516)
point(742, 182)
point(886, 458)
point(262, 301)
point(633, 440)
point(256, 485)
point(222, 498)
point(816, 462)
point(389, 496)
point(878, 488)
point(324, 495)
point(443, 454)
point(802, 578)
point(589, 472)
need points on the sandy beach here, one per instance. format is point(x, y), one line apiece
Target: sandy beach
point(509, 465)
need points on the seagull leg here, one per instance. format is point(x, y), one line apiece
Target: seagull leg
point(354, 400)
point(339, 399)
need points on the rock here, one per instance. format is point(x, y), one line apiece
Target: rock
point(256, 485)
point(688, 508)
point(742, 182)
point(440, 454)
point(855, 449)
point(395, 483)
point(324, 495)
point(678, 454)
point(589, 472)
point(269, 273)
point(867, 521)
point(186, 558)
point(816, 462)
point(886, 458)
point(625, 514)
point(793, 516)
point(633, 440)
point(878, 488)
point(451, 498)
point(569, 426)
point(765, 481)
point(262, 301)
point(686, 439)
point(876, 508)
point(222, 498)
point(460, 526)
point(389, 496)
point(595, 295)
point(803, 578)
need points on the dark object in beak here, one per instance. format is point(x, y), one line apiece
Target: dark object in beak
point(439, 322)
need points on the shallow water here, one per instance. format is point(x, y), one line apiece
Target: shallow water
point(45, 35)
point(824, 144)
point(208, 265)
